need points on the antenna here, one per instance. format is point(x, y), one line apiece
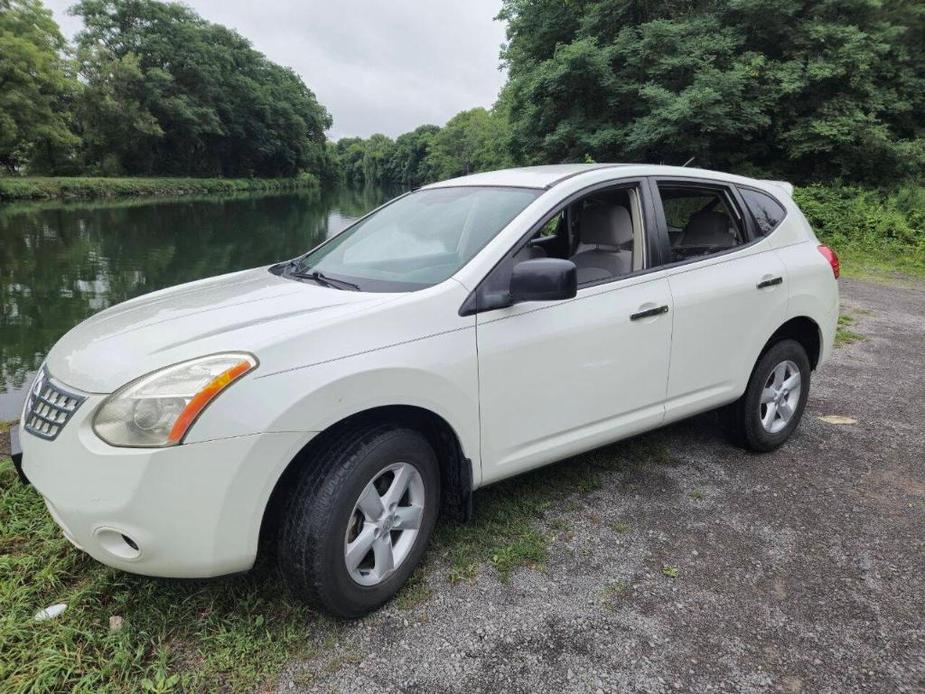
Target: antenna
point(688, 162)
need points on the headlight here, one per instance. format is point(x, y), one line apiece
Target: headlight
point(158, 409)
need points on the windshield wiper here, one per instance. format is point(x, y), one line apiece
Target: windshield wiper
point(324, 280)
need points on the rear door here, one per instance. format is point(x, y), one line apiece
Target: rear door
point(728, 290)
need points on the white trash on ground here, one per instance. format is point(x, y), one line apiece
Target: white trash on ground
point(838, 419)
point(50, 612)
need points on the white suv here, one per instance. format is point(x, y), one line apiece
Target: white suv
point(460, 334)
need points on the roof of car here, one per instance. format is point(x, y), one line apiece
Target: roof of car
point(549, 175)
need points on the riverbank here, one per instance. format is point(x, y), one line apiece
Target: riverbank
point(14, 188)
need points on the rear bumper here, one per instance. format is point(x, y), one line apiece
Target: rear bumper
point(829, 327)
point(192, 511)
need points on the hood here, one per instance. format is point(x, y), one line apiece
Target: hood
point(235, 312)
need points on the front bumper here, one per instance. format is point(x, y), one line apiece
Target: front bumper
point(16, 454)
point(191, 511)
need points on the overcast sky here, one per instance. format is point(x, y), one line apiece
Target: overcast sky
point(377, 65)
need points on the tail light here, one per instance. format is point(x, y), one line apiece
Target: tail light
point(832, 257)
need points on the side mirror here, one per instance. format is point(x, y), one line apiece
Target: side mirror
point(544, 279)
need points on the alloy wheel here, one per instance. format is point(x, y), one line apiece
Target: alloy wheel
point(780, 397)
point(384, 524)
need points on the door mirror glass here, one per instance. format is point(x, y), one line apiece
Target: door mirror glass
point(544, 279)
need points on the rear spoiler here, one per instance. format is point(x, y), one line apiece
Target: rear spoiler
point(783, 185)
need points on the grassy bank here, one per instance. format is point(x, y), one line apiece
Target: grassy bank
point(43, 188)
point(876, 234)
point(234, 634)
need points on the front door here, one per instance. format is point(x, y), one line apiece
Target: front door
point(557, 378)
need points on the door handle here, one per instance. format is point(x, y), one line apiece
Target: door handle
point(770, 282)
point(657, 311)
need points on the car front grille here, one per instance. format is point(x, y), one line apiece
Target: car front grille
point(49, 407)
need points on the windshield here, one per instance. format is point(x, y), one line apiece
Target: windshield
point(415, 242)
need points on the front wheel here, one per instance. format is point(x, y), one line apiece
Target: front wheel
point(358, 521)
point(773, 403)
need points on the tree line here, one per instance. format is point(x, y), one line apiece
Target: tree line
point(149, 88)
point(808, 91)
point(473, 140)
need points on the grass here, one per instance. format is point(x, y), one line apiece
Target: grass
point(621, 527)
point(877, 234)
point(415, 592)
point(236, 633)
point(39, 188)
point(505, 533)
point(844, 335)
point(618, 589)
point(670, 571)
point(177, 635)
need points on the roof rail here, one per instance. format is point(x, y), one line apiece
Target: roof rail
point(597, 167)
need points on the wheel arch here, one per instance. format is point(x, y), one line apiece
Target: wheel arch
point(456, 472)
point(804, 330)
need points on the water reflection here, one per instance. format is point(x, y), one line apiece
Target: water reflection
point(60, 263)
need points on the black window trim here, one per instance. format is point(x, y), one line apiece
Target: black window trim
point(731, 189)
point(653, 253)
point(754, 189)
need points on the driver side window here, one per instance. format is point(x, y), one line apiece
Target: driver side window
point(701, 221)
point(602, 233)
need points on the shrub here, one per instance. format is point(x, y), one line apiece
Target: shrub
point(869, 227)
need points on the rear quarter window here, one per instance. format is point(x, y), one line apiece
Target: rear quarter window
point(768, 213)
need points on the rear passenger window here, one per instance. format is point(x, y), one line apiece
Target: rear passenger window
point(700, 221)
point(768, 213)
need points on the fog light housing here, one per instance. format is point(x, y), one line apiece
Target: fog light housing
point(117, 543)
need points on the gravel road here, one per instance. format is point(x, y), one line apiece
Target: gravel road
point(706, 568)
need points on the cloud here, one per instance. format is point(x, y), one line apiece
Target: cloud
point(377, 65)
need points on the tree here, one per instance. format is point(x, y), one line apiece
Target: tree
point(410, 165)
point(471, 141)
point(35, 88)
point(377, 158)
point(198, 99)
point(803, 90)
point(119, 132)
point(350, 153)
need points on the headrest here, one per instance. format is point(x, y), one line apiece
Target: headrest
point(708, 228)
point(605, 225)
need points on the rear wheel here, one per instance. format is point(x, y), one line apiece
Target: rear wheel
point(357, 522)
point(773, 403)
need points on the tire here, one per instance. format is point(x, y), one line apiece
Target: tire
point(323, 513)
point(750, 421)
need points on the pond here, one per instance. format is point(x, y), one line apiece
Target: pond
point(62, 262)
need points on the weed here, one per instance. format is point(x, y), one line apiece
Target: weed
point(843, 333)
point(621, 527)
point(414, 592)
point(589, 483)
point(670, 571)
point(617, 589)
